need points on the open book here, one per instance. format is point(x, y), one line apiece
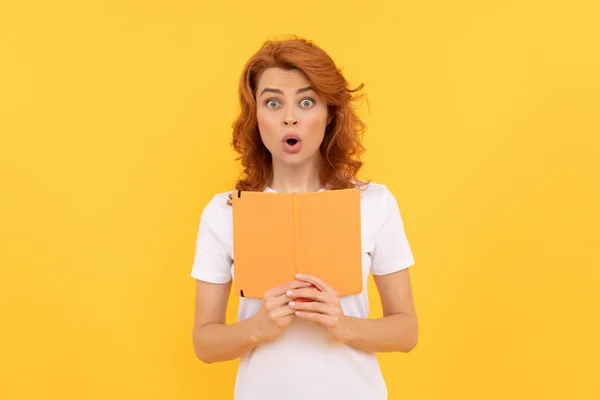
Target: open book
point(276, 235)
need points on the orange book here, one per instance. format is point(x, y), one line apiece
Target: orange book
point(276, 235)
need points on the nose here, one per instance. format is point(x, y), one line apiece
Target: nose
point(289, 118)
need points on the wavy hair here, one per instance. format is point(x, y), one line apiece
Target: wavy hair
point(341, 148)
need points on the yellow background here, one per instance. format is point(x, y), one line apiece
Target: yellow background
point(483, 119)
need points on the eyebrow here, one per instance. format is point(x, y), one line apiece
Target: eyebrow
point(306, 89)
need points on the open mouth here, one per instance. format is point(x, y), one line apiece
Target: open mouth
point(291, 142)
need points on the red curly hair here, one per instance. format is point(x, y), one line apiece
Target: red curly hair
point(341, 148)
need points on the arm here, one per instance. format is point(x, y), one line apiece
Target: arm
point(213, 339)
point(397, 330)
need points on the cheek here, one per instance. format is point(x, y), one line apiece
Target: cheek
point(266, 126)
point(317, 128)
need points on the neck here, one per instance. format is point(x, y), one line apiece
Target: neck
point(296, 178)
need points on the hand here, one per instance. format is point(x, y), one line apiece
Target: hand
point(274, 314)
point(323, 306)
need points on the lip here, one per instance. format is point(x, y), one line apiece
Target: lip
point(289, 148)
point(291, 136)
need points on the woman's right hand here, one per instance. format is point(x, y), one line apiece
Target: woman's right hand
point(274, 314)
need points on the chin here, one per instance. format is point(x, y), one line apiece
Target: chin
point(291, 159)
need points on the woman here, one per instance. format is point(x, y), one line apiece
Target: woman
point(298, 132)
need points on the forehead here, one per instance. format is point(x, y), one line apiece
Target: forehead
point(282, 79)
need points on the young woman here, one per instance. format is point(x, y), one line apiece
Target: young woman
point(297, 132)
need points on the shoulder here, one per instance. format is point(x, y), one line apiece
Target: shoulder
point(377, 201)
point(375, 192)
point(217, 209)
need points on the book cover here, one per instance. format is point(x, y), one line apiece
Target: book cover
point(276, 235)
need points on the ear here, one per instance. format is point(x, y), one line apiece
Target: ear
point(330, 115)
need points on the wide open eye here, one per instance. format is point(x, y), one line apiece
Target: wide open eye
point(307, 102)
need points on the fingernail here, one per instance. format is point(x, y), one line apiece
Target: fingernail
point(298, 275)
point(292, 304)
point(289, 292)
point(297, 313)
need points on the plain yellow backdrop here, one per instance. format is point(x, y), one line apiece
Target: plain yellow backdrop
point(115, 120)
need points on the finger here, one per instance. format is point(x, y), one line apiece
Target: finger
point(281, 289)
point(309, 293)
point(281, 312)
point(280, 300)
point(322, 286)
point(313, 306)
point(316, 317)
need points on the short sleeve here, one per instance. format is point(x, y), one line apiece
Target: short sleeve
point(212, 259)
point(392, 251)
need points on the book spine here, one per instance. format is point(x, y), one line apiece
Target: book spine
point(296, 221)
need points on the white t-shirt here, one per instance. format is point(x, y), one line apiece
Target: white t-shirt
point(302, 363)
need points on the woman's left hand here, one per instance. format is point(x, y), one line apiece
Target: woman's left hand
point(323, 306)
